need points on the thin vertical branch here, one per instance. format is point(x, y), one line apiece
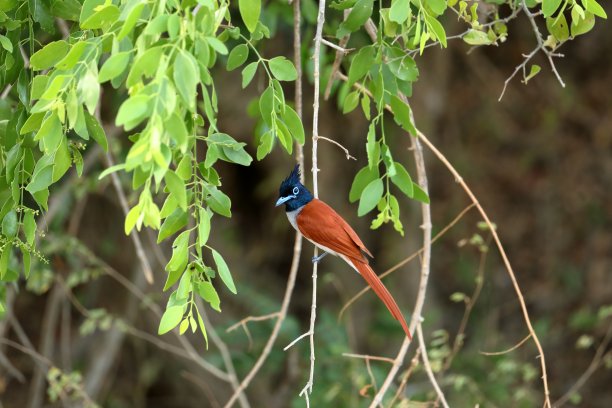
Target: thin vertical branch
point(427, 366)
point(47, 344)
point(140, 253)
point(425, 268)
point(315, 185)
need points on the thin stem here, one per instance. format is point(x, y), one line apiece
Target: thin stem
point(427, 366)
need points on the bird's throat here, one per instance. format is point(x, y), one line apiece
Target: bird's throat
point(292, 216)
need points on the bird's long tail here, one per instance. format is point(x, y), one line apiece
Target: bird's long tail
point(381, 291)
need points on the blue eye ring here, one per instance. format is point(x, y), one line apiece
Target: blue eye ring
point(296, 190)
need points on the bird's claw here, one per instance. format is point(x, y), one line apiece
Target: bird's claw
point(316, 259)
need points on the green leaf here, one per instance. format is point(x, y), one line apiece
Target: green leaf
point(178, 261)
point(294, 124)
point(372, 147)
point(32, 123)
point(477, 37)
point(42, 178)
point(558, 27)
point(207, 292)
point(102, 17)
point(39, 85)
point(218, 201)
point(350, 102)
point(550, 6)
point(535, 69)
point(185, 285)
point(438, 6)
point(361, 11)
point(170, 319)
point(400, 9)
point(217, 45)
point(29, 227)
point(73, 56)
point(401, 64)
point(9, 224)
point(203, 226)
point(173, 223)
point(6, 44)
point(131, 219)
point(176, 186)
point(370, 196)
point(111, 170)
point(420, 194)
point(66, 9)
point(130, 21)
point(224, 272)
point(436, 28)
point(593, 7)
point(583, 26)
point(49, 55)
point(96, 131)
point(186, 75)
point(133, 111)
point(266, 105)
point(282, 69)
point(403, 180)
point(114, 66)
point(363, 177)
point(361, 64)
point(202, 327)
point(401, 115)
point(248, 73)
point(249, 11)
point(237, 57)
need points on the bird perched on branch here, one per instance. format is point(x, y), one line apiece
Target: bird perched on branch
point(322, 226)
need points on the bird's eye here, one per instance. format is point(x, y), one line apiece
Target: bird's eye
point(296, 190)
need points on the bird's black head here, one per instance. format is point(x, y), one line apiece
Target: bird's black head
point(292, 192)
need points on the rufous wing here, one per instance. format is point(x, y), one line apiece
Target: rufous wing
point(320, 223)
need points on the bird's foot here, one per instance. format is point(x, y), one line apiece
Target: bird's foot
point(316, 259)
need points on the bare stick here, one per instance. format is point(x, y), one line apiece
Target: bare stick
point(511, 349)
point(413, 365)
point(368, 357)
point(140, 253)
point(502, 252)
point(595, 363)
point(247, 319)
point(346, 151)
point(419, 159)
point(338, 48)
point(427, 366)
point(315, 135)
point(337, 61)
point(47, 344)
point(297, 247)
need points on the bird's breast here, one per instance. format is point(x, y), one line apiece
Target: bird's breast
point(292, 216)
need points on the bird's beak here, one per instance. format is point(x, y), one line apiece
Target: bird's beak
point(283, 200)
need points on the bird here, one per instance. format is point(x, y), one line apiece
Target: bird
point(326, 229)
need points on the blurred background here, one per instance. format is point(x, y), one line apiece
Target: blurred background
point(539, 162)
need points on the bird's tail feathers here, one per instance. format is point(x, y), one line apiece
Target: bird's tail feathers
point(381, 291)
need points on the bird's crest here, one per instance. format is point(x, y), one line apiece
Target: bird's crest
point(293, 178)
